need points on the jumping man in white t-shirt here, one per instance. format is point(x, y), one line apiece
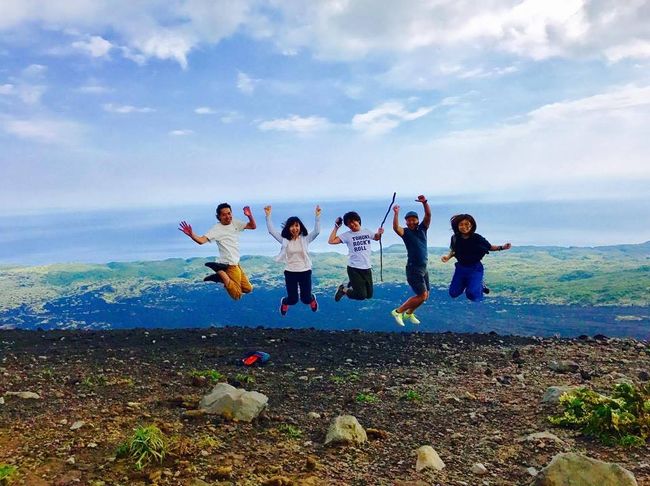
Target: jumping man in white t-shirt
point(226, 235)
point(359, 268)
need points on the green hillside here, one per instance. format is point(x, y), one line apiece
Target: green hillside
point(612, 275)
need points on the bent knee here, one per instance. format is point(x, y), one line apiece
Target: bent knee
point(473, 297)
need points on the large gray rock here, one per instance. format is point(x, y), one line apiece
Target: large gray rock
point(233, 403)
point(553, 393)
point(345, 429)
point(571, 469)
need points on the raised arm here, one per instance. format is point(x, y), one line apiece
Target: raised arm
point(269, 225)
point(251, 221)
point(505, 246)
point(427, 211)
point(316, 231)
point(187, 229)
point(396, 227)
point(333, 239)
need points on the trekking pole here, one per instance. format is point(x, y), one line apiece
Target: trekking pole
point(381, 249)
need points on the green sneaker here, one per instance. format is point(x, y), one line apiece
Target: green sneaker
point(412, 317)
point(398, 317)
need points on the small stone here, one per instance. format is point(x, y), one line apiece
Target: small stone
point(70, 460)
point(313, 415)
point(2, 401)
point(25, 395)
point(644, 376)
point(553, 393)
point(345, 429)
point(428, 458)
point(564, 366)
point(532, 471)
point(77, 425)
point(479, 469)
point(376, 434)
point(91, 445)
point(303, 378)
point(311, 464)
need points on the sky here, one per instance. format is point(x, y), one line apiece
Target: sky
point(113, 104)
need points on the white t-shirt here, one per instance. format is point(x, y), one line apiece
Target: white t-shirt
point(227, 239)
point(297, 260)
point(358, 247)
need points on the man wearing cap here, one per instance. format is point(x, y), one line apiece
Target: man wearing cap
point(417, 275)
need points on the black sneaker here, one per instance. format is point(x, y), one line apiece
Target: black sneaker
point(213, 278)
point(486, 290)
point(215, 267)
point(340, 292)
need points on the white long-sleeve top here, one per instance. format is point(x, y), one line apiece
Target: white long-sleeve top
point(294, 253)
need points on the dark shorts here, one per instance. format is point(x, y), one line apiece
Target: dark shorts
point(418, 279)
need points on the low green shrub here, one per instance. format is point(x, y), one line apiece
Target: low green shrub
point(147, 444)
point(623, 418)
point(213, 375)
point(7, 473)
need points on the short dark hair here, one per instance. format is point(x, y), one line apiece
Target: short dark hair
point(351, 216)
point(286, 234)
point(456, 219)
point(220, 207)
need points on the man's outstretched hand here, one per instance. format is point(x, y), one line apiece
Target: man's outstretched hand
point(186, 228)
point(421, 199)
point(247, 211)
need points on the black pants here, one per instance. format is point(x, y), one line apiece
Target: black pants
point(293, 280)
point(360, 287)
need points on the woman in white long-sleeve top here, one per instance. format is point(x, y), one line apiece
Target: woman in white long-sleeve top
point(295, 240)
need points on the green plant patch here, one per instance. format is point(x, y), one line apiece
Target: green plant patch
point(620, 419)
point(411, 396)
point(366, 398)
point(243, 378)
point(213, 375)
point(7, 473)
point(290, 431)
point(146, 445)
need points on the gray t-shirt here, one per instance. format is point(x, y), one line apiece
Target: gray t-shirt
point(227, 239)
point(358, 247)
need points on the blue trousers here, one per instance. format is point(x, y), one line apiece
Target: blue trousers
point(468, 279)
point(295, 280)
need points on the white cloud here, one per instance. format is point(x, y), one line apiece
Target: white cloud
point(43, 130)
point(345, 30)
point(568, 143)
point(30, 94)
point(7, 89)
point(386, 117)
point(96, 46)
point(180, 133)
point(636, 49)
point(204, 110)
point(295, 123)
point(34, 71)
point(245, 83)
point(230, 117)
point(94, 89)
point(125, 109)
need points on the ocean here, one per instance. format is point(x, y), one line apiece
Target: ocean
point(136, 234)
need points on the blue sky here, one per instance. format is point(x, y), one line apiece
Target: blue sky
point(126, 104)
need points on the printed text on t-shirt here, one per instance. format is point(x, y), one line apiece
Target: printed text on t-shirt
point(359, 242)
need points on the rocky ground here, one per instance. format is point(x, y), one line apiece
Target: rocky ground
point(474, 398)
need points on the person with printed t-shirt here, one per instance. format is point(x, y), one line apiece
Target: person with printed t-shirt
point(417, 275)
point(226, 235)
point(359, 267)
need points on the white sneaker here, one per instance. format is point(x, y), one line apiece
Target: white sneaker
point(412, 317)
point(398, 317)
